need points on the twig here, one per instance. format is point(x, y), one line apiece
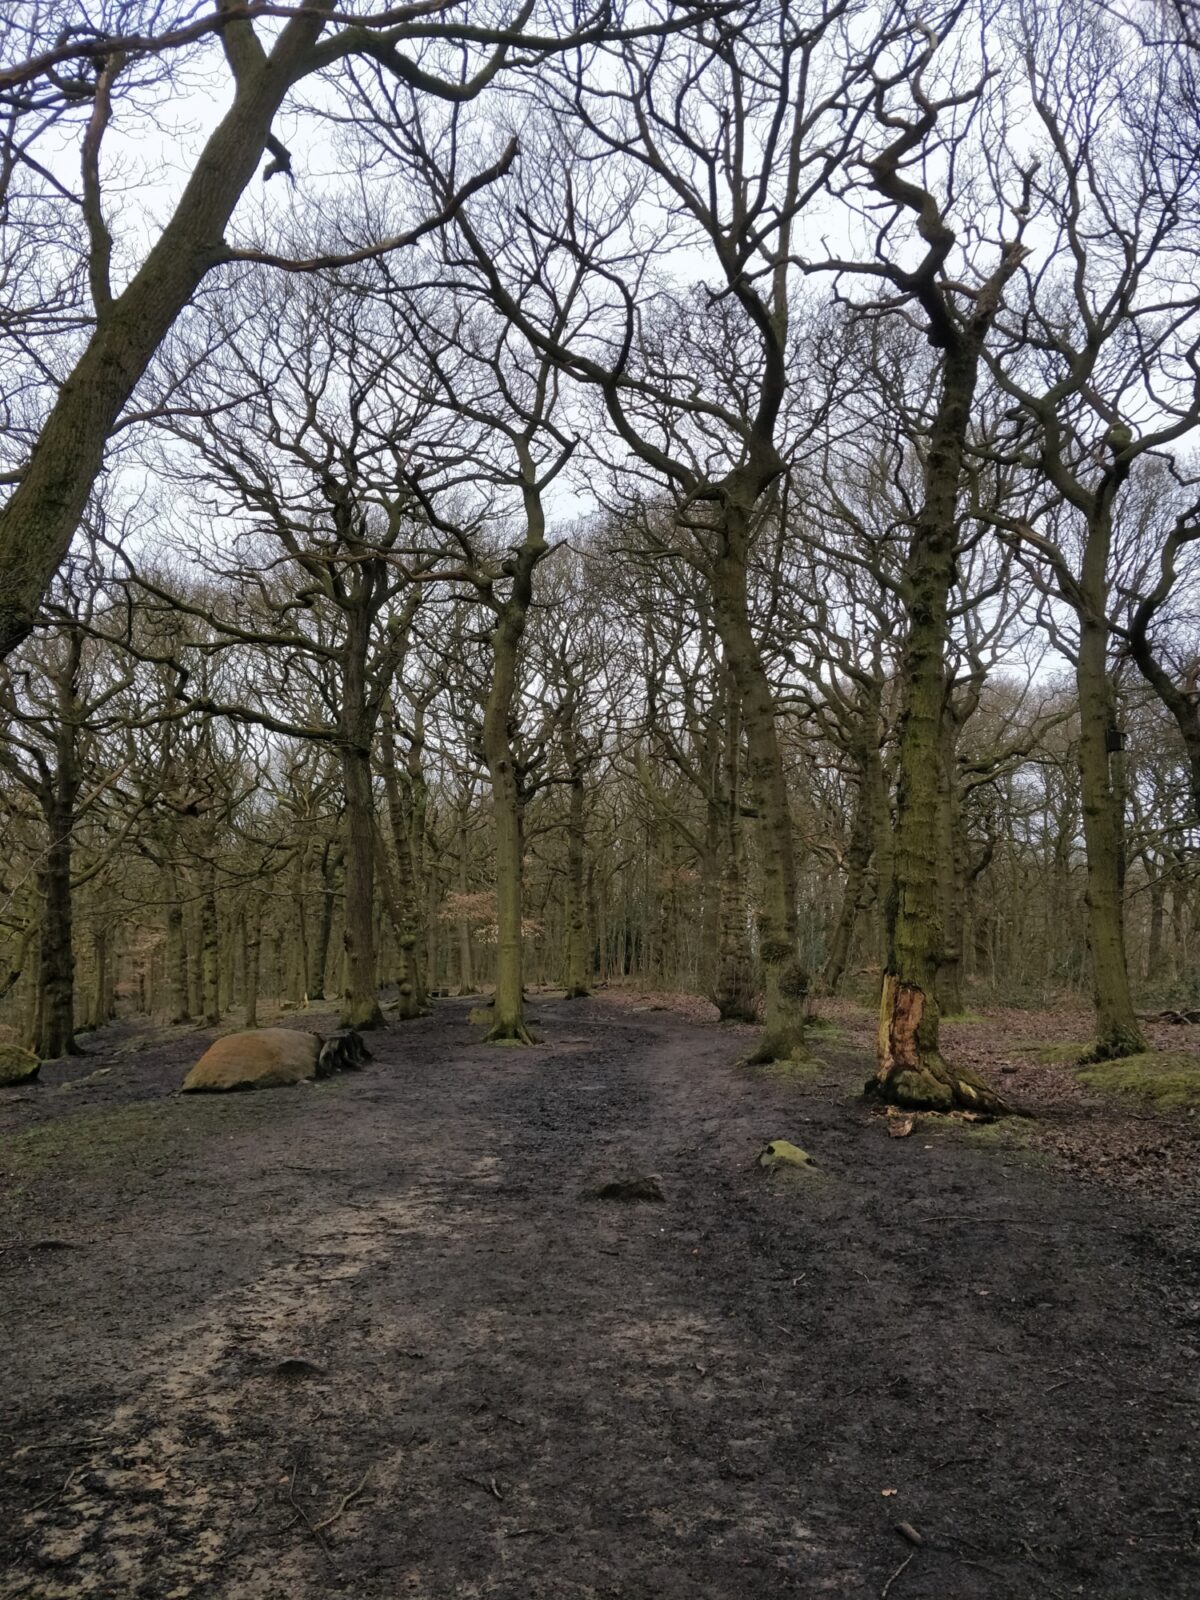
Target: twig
point(883, 1593)
point(536, 1533)
point(304, 1516)
point(343, 1503)
point(58, 1493)
point(488, 1486)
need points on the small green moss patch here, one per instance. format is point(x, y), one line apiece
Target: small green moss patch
point(118, 1136)
point(1169, 1079)
point(782, 1153)
point(1053, 1055)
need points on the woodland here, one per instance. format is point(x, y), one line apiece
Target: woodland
point(635, 569)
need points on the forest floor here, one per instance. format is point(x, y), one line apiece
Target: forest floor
point(374, 1337)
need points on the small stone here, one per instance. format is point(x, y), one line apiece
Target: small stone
point(298, 1367)
point(647, 1188)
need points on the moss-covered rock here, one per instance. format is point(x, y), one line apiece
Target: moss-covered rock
point(781, 1154)
point(1169, 1079)
point(17, 1065)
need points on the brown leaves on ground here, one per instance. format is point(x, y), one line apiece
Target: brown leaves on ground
point(1119, 1142)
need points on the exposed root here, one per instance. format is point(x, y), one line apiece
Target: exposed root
point(510, 1033)
point(774, 1047)
point(1115, 1045)
point(912, 1072)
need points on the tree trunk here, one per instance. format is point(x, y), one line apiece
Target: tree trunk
point(402, 883)
point(858, 859)
point(951, 871)
point(360, 1004)
point(251, 947)
point(1154, 941)
point(100, 1006)
point(911, 1069)
point(466, 965)
point(56, 966)
point(578, 943)
point(785, 980)
point(210, 951)
point(177, 953)
point(508, 1024)
point(319, 948)
point(1117, 1030)
point(733, 992)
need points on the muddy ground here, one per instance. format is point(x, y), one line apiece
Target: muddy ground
point(371, 1338)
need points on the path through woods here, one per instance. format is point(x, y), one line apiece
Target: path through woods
point(367, 1339)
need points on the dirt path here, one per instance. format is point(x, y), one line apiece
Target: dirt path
point(518, 1392)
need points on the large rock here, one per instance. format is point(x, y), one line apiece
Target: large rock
point(266, 1058)
point(17, 1065)
point(261, 1059)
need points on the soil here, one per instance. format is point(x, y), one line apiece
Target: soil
point(377, 1336)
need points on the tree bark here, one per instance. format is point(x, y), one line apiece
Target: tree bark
point(210, 950)
point(733, 992)
point(911, 1070)
point(785, 980)
point(1118, 1032)
point(508, 1023)
point(578, 943)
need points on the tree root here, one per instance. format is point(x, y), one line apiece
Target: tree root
point(933, 1085)
point(508, 1033)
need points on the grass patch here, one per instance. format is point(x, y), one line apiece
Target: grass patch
point(1053, 1055)
point(125, 1136)
point(1168, 1079)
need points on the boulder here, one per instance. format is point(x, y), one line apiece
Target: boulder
point(264, 1058)
point(17, 1065)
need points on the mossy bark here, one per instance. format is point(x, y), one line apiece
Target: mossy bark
point(578, 941)
point(210, 949)
point(911, 1070)
point(508, 1023)
point(1118, 1032)
point(733, 992)
point(784, 978)
point(177, 951)
point(356, 725)
point(402, 889)
point(951, 870)
point(466, 955)
point(251, 947)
